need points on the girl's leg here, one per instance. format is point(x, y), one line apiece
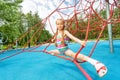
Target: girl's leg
point(54, 52)
point(100, 67)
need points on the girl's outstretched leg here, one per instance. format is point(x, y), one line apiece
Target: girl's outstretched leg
point(54, 52)
point(100, 67)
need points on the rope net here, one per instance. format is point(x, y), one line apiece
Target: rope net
point(82, 18)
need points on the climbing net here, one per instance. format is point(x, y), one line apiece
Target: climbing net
point(81, 16)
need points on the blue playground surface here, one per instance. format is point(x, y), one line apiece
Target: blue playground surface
point(42, 66)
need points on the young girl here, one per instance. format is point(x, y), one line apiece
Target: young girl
point(62, 47)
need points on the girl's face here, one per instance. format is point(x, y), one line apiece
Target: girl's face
point(60, 24)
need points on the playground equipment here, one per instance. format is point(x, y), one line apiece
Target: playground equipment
point(72, 14)
point(1, 42)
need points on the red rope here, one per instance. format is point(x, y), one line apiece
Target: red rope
point(97, 40)
point(82, 70)
point(78, 8)
point(77, 64)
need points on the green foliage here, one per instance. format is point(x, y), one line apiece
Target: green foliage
point(96, 25)
point(15, 24)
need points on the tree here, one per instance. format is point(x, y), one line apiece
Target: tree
point(9, 18)
point(14, 23)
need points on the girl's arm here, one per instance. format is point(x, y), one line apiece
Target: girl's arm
point(53, 38)
point(74, 38)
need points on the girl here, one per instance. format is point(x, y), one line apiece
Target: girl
point(62, 47)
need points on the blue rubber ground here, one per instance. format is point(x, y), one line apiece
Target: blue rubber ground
point(41, 66)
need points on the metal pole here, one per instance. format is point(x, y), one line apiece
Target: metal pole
point(1, 43)
point(16, 44)
point(109, 28)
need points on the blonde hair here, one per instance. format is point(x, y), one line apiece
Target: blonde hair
point(62, 41)
point(62, 21)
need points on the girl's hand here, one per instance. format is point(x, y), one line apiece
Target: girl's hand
point(52, 40)
point(83, 43)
